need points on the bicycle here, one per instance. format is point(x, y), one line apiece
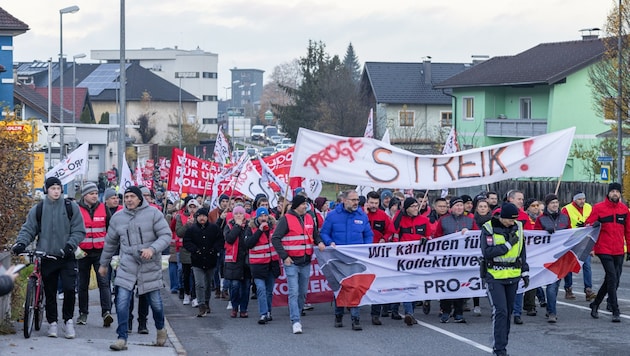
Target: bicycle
point(35, 298)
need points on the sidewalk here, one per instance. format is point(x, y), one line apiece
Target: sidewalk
point(92, 339)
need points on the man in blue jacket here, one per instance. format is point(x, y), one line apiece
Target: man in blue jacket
point(347, 225)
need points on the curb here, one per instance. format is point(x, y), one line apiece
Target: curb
point(179, 348)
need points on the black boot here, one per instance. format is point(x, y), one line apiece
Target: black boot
point(356, 325)
point(142, 327)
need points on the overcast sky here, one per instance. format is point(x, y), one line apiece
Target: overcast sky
point(264, 33)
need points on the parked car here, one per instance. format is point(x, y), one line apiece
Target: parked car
point(267, 151)
point(252, 152)
point(274, 140)
point(258, 132)
point(282, 147)
point(236, 154)
point(286, 141)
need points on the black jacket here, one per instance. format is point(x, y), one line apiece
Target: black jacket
point(204, 243)
point(236, 270)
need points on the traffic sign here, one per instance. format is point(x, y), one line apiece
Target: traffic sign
point(604, 159)
point(604, 174)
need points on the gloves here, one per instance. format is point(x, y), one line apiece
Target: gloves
point(513, 240)
point(67, 251)
point(596, 224)
point(18, 248)
point(525, 281)
point(580, 224)
point(551, 230)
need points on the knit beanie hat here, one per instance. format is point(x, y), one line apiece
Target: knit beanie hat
point(386, 193)
point(145, 190)
point(88, 188)
point(579, 195)
point(223, 197)
point(528, 202)
point(549, 198)
point(612, 186)
point(409, 202)
point(509, 211)
point(202, 211)
point(319, 202)
point(50, 181)
point(109, 192)
point(466, 198)
point(455, 200)
point(297, 201)
point(238, 210)
point(262, 210)
point(394, 202)
point(135, 190)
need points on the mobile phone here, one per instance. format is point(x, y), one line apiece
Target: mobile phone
point(18, 267)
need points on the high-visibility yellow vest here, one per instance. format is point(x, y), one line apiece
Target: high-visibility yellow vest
point(505, 266)
point(575, 215)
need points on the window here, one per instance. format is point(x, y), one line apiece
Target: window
point(526, 108)
point(446, 118)
point(210, 75)
point(468, 108)
point(209, 121)
point(210, 98)
point(405, 117)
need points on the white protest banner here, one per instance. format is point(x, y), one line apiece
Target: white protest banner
point(221, 153)
point(450, 146)
point(443, 268)
point(369, 129)
point(126, 179)
point(76, 163)
point(250, 183)
point(269, 176)
point(369, 162)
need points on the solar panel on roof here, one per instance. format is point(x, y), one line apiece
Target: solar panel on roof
point(105, 76)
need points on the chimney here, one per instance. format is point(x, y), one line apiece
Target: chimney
point(478, 58)
point(426, 68)
point(590, 33)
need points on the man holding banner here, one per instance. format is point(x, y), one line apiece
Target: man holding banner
point(503, 248)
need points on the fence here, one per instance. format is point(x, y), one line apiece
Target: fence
point(595, 192)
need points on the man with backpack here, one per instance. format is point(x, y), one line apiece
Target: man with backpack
point(59, 225)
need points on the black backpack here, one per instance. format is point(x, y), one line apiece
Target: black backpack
point(40, 207)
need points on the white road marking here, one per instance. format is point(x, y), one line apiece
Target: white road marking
point(457, 337)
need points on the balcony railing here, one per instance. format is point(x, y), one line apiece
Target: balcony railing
point(515, 127)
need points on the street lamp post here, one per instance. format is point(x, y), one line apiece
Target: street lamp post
point(65, 10)
point(74, 85)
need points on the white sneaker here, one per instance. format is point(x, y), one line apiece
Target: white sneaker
point(477, 311)
point(308, 306)
point(186, 299)
point(60, 295)
point(69, 329)
point(52, 329)
point(195, 303)
point(229, 306)
point(297, 328)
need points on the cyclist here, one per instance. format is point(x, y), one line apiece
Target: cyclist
point(59, 225)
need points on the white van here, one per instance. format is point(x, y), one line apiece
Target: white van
point(258, 132)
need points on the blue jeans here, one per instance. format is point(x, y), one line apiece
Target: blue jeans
point(297, 280)
point(123, 299)
point(568, 280)
point(518, 305)
point(587, 273)
point(173, 276)
point(239, 294)
point(354, 311)
point(264, 292)
point(552, 297)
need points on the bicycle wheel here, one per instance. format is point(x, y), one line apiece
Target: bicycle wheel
point(39, 309)
point(29, 311)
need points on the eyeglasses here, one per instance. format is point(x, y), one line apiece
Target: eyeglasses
point(354, 199)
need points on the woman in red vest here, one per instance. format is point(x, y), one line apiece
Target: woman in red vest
point(236, 270)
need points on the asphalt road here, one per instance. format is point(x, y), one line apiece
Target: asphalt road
point(576, 333)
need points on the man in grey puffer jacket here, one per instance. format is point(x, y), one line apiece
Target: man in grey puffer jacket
point(141, 234)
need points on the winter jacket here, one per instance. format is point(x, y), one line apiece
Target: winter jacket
point(181, 225)
point(380, 223)
point(282, 229)
point(132, 230)
point(204, 243)
point(450, 223)
point(56, 229)
point(552, 221)
point(346, 228)
point(234, 239)
point(259, 243)
point(410, 228)
point(615, 227)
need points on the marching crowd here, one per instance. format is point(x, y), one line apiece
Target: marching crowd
point(238, 248)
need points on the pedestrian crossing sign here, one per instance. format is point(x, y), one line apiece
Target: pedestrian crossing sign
point(604, 174)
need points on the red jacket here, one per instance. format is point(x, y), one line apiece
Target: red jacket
point(407, 228)
point(615, 227)
point(381, 225)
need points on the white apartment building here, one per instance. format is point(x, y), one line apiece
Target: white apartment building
point(194, 71)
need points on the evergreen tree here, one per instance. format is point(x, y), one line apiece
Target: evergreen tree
point(351, 63)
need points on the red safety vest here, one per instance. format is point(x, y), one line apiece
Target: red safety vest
point(263, 252)
point(298, 241)
point(231, 250)
point(95, 228)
